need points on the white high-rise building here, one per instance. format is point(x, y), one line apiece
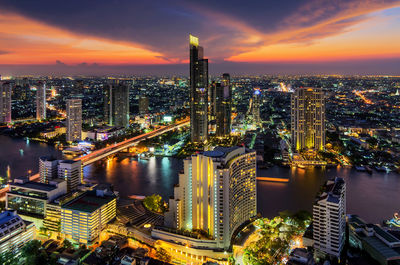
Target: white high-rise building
point(41, 101)
point(308, 119)
point(5, 102)
point(216, 193)
point(74, 120)
point(70, 171)
point(329, 218)
point(48, 168)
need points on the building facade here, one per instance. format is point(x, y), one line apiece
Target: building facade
point(223, 107)
point(143, 105)
point(48, 168)
point(116, 104)
point(41, 101)
point(14, 232)
point(216, 193)
point(71, 172)
point(5, 102)
point(83, 218)
point(329, 215)
point(198, 92)
point(74, 120)
point(308, 119)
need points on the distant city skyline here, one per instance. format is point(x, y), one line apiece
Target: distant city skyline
point(137, 37)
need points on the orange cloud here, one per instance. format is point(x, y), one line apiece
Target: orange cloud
point(25, 41)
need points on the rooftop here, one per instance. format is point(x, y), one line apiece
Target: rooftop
point(34, 186)
point(88, 202)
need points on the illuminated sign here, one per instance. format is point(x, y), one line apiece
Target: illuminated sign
point(193, 40)
point(167, 118)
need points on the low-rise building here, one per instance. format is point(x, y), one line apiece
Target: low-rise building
point(83, 218)
point(14, 232)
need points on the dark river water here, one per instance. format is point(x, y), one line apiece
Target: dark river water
point(374, 197)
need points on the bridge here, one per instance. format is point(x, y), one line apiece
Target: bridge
point(115, 148)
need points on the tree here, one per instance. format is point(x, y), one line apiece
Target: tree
point(163, 255)
point(154, 203)
point(8, 258)
point(67, 244)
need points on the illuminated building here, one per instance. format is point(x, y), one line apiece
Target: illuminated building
point(14, 232)
point(329, 218)
point(74, 120)
point(5, 102)
point(223, 106)
point(30, 198)
point(83, 218)
point(48, 168)
point(143, 105)
point(116, 104)
point(41, 101)
point(308, 119)
point(198, 92)
point(71, 172)
point(216, 194)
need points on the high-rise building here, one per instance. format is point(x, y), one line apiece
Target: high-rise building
point(116, 104)
point(198, 92)
point(308, 119)
point(5, 102)
point(71, 172)
point(74, 120)
point(143, 105)
point(48, 168)
point(14, 232)
point(41, 101)
point(329, 218)
point(83, 218)
point(216, 193)
point(223, 106)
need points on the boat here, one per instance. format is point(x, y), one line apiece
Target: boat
point(360, 168)
point(380, 169)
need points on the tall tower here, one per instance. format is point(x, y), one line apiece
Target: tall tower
point(329, 215)
point(223, 106)
point(41, 101)
point(143, 105)
point(198, 92)
point(308, 119)
point(116, 104)
point(216, 193)
point(48, 167)
point(71, 172)
point(5, 102)
point(74, 120)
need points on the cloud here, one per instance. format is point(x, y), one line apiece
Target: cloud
point(226, 28)
point(59, 63)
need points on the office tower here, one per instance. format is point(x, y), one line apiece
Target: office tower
point(71, 172)
point(143, 105)
point(74, 120)
point(30, 198)
point(48, 168)
point(41, 101)
point(14, 232)
point(223, 106)
point(83, 218)
point(198, 92)
point(308, 119)
point(5, 102)
point(116, 104)
point(329, 215)
point(216, 193)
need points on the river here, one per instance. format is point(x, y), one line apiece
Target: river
point(374, 197)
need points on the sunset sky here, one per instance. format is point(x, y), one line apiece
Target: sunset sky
point(242, 36)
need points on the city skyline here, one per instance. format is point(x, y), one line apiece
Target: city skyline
point(290, 37)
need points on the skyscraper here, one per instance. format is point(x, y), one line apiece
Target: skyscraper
point(308, 119)
point(116, 104)
point(74, 120)
point(198, 92)
point(216, 193)
point(41, 101)
point(5, 102)
point(223, 106)
point(71, 172)
point(329, 215)
point(143, 105)
point(48, 168)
